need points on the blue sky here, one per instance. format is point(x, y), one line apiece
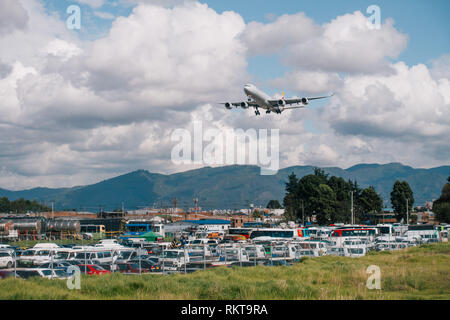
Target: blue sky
point(425, 22)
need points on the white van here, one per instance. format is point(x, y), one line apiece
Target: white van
point(6, 259)
point(38, 256)
point(97, 255)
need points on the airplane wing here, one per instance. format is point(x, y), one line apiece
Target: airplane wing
point(243, 104)
point(299, 100)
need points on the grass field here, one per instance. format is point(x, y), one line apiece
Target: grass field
point(415, 273)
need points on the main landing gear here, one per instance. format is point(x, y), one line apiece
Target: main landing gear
point(267, 111)
point(257, 112)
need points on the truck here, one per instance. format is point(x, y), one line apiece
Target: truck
point(173, 259)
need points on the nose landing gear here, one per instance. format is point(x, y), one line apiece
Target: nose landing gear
point(257, 112)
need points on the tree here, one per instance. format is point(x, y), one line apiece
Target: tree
point(273, 204)
point(370, 201)
point(441, 207)
point(5, 205)
point(323, 204)
point(401, 192)
point(290, 201)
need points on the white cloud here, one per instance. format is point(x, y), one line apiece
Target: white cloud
point(441, 67)
point(104, 15)
point(345, 44)
point(75, 112)
point(12, 16)
point(309, 81)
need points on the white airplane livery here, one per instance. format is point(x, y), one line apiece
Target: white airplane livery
point(258, 99)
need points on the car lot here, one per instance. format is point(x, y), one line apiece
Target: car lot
point(53, 261)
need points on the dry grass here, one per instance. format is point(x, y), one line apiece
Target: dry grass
point(416, 273)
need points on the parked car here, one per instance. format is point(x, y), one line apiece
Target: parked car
point(150, 265)
point(131, 268)
point(92, 269)
point(6, 273)
point(276, 263)
point(56, 265)
point(6, 259)
point(42, 272)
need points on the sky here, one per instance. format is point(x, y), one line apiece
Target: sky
point(82, 105)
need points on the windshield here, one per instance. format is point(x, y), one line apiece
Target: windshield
point(82, 255)
point(62, 255)
point(125, 255)
point(98, 268)
point(28, 253)
point(171, 254)
point(60, 273)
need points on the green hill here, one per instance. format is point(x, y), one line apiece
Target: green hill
point(226, 187)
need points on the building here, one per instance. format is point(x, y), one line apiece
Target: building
point(211, 225)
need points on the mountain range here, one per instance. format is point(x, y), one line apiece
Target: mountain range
point(227, 187)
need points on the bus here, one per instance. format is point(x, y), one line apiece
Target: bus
point(240, 232)
point(275, 233)
point(354, 232)
point(144, 229)
point(97, 231)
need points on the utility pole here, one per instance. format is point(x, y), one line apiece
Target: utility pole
point(407, 213)
point(303, 213)
point(352, 222)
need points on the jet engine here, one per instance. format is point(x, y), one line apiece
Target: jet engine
point(281, 103)
point(244, 105)
point(229, 106)
point(305, 101)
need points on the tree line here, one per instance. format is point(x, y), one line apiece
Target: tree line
point(441, 207)
point(21, 206)
point(329, 199)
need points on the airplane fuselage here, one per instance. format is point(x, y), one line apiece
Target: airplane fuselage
point(259, 97)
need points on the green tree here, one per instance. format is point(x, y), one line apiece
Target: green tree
point(323, 204)
point(273, 204)
point(5, 205)
point(441, 207)
point(400, 193)
point(290, 201)
point(370, 201)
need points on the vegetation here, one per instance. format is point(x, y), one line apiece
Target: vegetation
point(441, 207)
point(415, 273)
point(21, 206)
point(401, 195)
point(328, 198)
point(273, 204)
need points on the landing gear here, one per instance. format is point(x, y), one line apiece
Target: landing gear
point(267, 111)
point(257, 112)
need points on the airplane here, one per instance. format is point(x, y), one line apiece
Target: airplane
point(258, 99)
